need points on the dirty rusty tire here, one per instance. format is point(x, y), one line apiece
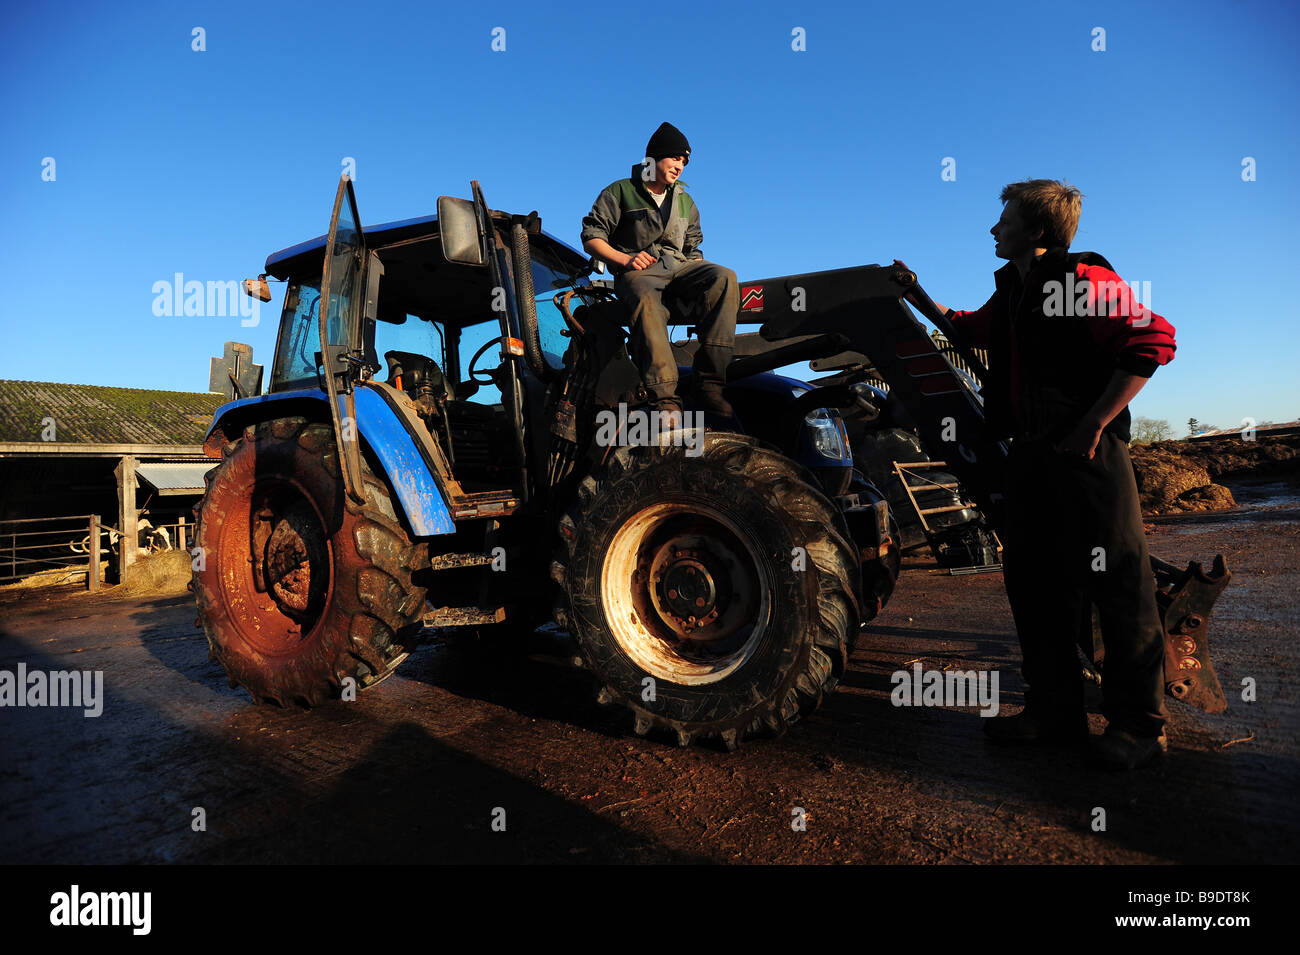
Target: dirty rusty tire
point(300, 588)
point(712, 596)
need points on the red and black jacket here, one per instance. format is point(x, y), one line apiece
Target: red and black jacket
point(1055, 340)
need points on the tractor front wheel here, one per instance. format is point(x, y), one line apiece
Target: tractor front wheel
point(298, 587)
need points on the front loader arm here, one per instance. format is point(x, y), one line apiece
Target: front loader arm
point(868, 306)
point(865, 305)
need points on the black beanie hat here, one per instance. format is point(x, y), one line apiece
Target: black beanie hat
point(668, 141)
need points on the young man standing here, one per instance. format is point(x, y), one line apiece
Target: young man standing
point(647, 229)
point(1069, 347)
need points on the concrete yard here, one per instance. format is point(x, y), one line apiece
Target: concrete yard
point(416, 769)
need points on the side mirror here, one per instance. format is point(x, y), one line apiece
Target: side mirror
point(458, 231)
point(257, 288)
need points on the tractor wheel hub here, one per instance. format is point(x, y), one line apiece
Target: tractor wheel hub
point(687, 589)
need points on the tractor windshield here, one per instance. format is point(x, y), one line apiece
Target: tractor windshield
point(299, 341)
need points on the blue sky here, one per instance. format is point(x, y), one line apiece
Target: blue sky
point(169, 160)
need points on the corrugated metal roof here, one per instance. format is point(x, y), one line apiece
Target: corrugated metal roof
point(93, 414)
point(175, 477)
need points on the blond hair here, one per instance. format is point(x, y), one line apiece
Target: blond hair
point(1048, 205)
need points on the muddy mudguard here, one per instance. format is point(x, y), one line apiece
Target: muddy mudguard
point(415, 481)
point(1186, 598)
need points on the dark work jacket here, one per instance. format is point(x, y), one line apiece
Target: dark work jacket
point(1047, 369)
point(627, 217)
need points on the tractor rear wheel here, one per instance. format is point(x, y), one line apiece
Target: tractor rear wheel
point(298, 587)
point(711, 596)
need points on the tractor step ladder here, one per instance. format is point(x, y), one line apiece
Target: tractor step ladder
point(464, 616)
point(489, 609)
point(457, 561)
point(905, 469)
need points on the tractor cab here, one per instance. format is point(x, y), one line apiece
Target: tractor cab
point(442, 333)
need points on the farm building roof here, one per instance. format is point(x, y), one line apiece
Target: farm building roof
point(94, 414)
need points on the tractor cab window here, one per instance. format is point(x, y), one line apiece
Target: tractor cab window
point(548, 280)
point(299, 340)
point(430, 307)
point(550, 276)
point(480, 347)
point(405, 334)
point(550, 328)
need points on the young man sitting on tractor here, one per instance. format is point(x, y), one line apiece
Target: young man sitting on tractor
point(647, 229)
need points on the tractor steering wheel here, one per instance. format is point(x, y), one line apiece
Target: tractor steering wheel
point(487, 378)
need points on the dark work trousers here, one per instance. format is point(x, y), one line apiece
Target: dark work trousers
point(707, 296)
point(1074, 536)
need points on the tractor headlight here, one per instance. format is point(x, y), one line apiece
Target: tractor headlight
point(829, 439)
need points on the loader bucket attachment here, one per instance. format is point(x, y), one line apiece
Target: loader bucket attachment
point(1186, 598)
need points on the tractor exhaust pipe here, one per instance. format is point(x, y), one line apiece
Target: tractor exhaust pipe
point(522, 261)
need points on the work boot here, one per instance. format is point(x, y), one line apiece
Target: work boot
point(1034, 726)
point(708, 397)
point(670, 413)
point(1120, 750)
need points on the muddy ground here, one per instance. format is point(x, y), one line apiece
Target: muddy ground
point(413, 771)
point(1179, 476)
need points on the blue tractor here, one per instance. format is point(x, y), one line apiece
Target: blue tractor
point(714, 583)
